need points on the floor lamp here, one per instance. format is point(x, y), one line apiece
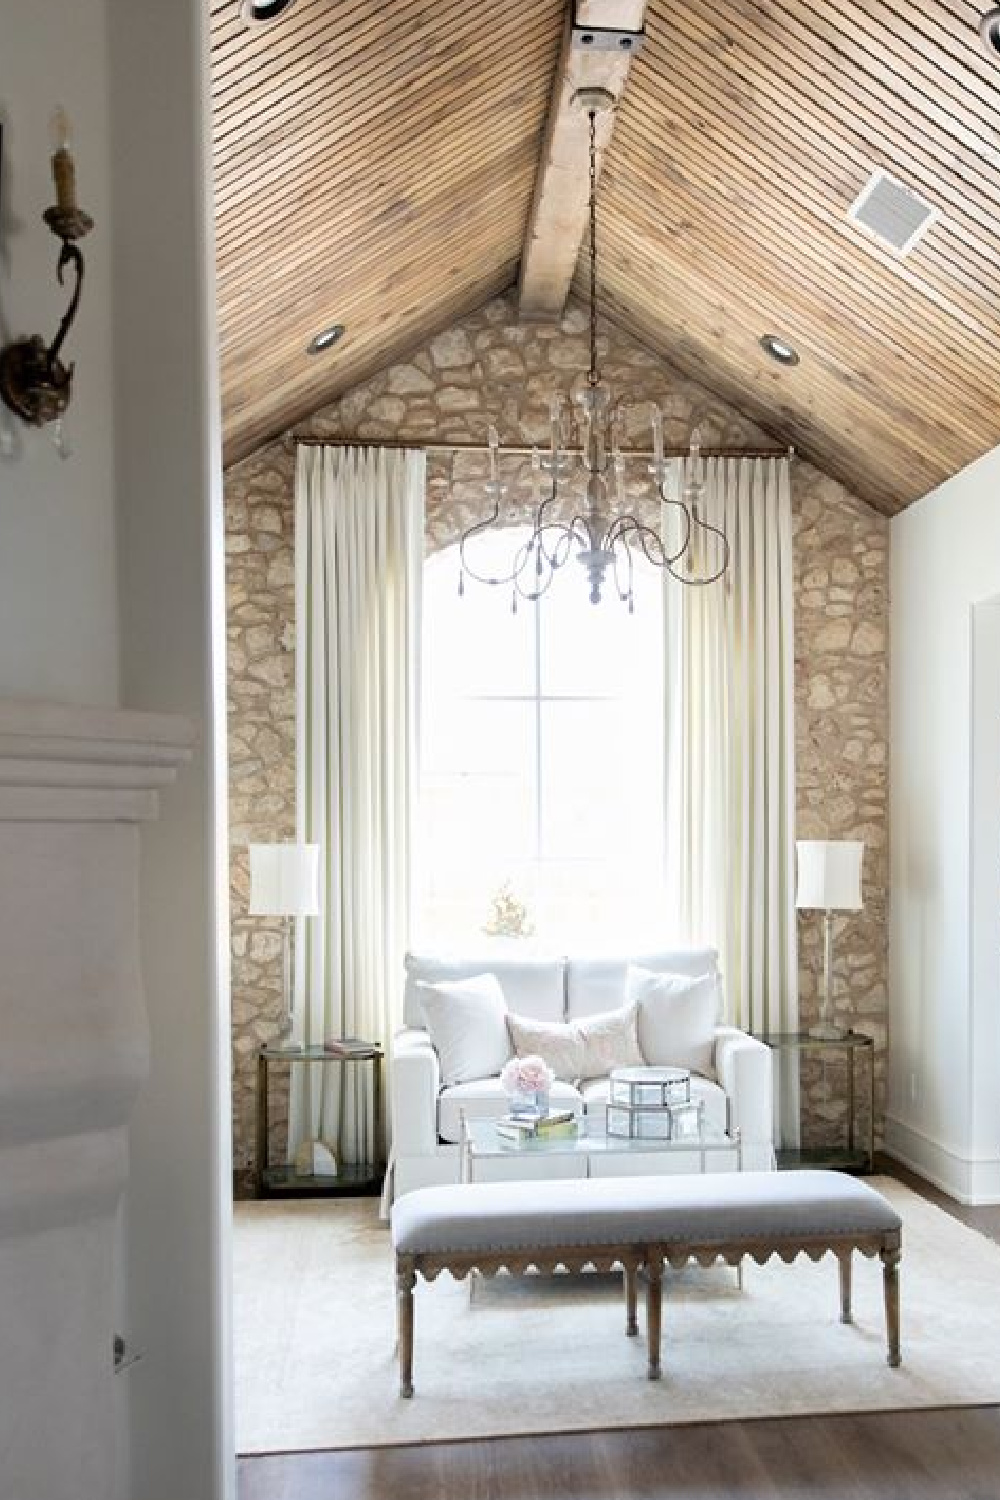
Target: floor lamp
point(829, 880)
point(284, 882)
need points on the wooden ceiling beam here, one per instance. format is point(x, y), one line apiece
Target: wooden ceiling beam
point(557, 222)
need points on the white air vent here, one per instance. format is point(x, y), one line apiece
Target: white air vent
point(892, 212)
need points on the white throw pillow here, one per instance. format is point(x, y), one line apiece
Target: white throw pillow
point(676, 1018)
point(580, 1049)
point(467, 1022)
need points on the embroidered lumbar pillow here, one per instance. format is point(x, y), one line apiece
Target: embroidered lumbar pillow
point(677, 1017)
point(467, 1023)
point(588, 1048)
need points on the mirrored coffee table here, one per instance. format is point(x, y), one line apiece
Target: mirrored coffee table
point(488, 1156)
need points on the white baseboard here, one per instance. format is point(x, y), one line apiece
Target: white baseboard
point(970, 1180)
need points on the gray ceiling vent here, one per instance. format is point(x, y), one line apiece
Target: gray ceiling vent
point(892, 212)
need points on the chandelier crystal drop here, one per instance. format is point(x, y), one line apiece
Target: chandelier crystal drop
point(582, 476)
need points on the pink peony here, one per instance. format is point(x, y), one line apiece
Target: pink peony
point(526, 1075)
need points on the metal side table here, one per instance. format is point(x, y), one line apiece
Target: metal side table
point(856, 1157)
point(284, 1181)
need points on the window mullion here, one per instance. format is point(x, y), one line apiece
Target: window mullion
point(538, 733)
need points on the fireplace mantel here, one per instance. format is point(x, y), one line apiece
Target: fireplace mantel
point(62, 763)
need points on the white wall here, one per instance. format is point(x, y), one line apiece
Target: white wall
point(944, 1106)
point(170, 546)
point(142, 483)
point(58, 613)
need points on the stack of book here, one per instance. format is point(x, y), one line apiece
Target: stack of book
point(519, 1130)
point(347, 1046)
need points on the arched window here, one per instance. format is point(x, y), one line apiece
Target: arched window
point(542, 761)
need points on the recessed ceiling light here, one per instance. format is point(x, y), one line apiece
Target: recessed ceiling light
point(257, 12)
point(325, 339)
point(989, 30)
point(783, 353)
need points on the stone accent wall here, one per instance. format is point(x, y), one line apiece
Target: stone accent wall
point(490, 367)
point(841, 767)
point(260, 629)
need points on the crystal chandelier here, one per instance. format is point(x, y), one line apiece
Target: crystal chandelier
point(583, 473)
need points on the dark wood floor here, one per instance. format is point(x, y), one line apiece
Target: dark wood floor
point(922, 1455)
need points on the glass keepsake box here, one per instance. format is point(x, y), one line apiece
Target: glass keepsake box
point(636, 1088)
point(652, 1104)
point(668, 1122)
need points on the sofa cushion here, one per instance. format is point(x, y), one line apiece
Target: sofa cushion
point(676, 1019)
point(467, 1022)
point(531, 986)
point(580, 1049)
point(595, 1096)
point(599, 983)
point(485, 1099)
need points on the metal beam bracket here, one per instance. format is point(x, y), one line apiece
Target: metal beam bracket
point(606, 39)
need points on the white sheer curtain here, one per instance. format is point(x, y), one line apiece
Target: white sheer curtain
point(729, 663)
point(359, 524)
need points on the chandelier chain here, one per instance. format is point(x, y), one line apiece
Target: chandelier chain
point(593, 377)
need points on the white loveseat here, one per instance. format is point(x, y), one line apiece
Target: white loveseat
point(427, 1119)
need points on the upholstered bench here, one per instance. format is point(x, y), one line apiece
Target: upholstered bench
point(640, 1224)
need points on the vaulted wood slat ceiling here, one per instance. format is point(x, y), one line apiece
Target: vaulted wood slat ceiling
point(373, 167)
point(375, 162)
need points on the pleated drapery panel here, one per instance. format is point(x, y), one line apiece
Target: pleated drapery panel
point(359, 525)
point(730, 733)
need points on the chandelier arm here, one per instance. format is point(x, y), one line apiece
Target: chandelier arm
point(541, 525)
point(618, 531)
point(563, 539)
point(578, 530)
point(647, 534)
point(685, 512)
point(551, 496)
point(645, 537)
point(564, 542)
point(623, 594)
point(483, 526)
point(660, 558)
point(724, 541)
point(531, 595)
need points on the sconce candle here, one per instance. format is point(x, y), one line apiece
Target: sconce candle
point(34, 381)
point(63, 166)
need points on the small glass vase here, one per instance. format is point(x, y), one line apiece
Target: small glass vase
point(530, 1103)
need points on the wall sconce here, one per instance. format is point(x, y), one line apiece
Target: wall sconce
point(34, 382)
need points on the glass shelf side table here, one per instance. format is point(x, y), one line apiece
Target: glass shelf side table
point(351, 1180)
point(856, 1157)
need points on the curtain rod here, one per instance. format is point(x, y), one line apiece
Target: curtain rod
point(522, 450)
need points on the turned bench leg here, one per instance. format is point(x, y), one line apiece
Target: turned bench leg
point(405, 1282)
point(631, 1297)
point(890, 1282)
point(846, 1261)
point(654, 1307)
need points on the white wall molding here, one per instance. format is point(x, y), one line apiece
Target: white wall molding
point(61, 763)
point(944, 1061)
point(974, 1181)
point(74, 785)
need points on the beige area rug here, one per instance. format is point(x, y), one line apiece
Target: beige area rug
point(314, 1325)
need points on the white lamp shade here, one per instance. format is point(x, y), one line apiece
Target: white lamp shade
point(829, 874)
point(284, 880)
